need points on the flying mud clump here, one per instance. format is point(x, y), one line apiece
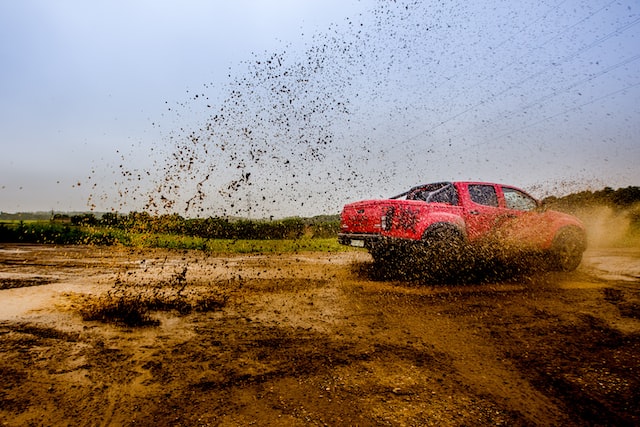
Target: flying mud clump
point(276, 122)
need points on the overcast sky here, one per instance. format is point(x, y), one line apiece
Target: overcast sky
point(274, 107)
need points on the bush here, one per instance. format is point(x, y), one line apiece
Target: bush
point(57, 233)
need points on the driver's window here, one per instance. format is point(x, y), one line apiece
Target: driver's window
point(518, 200)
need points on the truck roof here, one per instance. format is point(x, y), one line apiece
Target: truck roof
point(437, 185)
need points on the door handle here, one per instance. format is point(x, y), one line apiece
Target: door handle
point(474, 212)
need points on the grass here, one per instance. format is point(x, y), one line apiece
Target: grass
point(44, 232)
point(241, 246)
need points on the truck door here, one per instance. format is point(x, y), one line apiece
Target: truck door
point(481, 209)
point(525, 226)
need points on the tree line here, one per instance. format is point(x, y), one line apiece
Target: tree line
point(622, 198)
point(210, 228)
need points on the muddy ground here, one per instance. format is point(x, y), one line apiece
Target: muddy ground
point(317, 339)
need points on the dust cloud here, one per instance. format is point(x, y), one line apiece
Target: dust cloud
point(607, 227)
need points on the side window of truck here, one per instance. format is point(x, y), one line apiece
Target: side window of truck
point(447, 194)
point(483, 195)
point(518, 200)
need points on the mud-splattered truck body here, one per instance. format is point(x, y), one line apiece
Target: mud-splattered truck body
point(451, 214)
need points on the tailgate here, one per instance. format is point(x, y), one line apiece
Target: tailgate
point(363, 217)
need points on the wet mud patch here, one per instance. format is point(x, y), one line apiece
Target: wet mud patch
point(593, 374)
point(37, 332)
point(11, 379)
point(238, 368)
point(584, 363)
point(22, 282)
point(629, 306)
point(28, 352)
point(274, 286)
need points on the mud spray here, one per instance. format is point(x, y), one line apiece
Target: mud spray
point(297, 132)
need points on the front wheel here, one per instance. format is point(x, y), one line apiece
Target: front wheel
point(567, 248)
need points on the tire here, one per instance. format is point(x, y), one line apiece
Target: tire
point(443, 240)
point(567, 248)
point(392, 261)
point(437, 255)
point(383, 254)
point(442, 248)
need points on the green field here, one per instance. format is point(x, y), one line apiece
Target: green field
point(47, 232)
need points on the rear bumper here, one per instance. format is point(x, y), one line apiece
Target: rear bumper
point(359, 240)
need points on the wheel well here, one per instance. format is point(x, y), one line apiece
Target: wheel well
point(442, 229)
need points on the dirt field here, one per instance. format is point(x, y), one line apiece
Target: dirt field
point(316, 339)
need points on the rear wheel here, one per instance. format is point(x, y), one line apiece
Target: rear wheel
point(384, 253)
point(442, 240)
point(393, 260)
point(567, 248)
point(442, 249)
point(438, 254)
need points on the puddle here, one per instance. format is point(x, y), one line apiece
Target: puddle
point(18, 302)
point(614, 264)
point(14, 251)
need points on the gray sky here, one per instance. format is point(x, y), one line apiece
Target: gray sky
point(265, 107)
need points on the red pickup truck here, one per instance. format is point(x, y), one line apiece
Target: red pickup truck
point(448, 216)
